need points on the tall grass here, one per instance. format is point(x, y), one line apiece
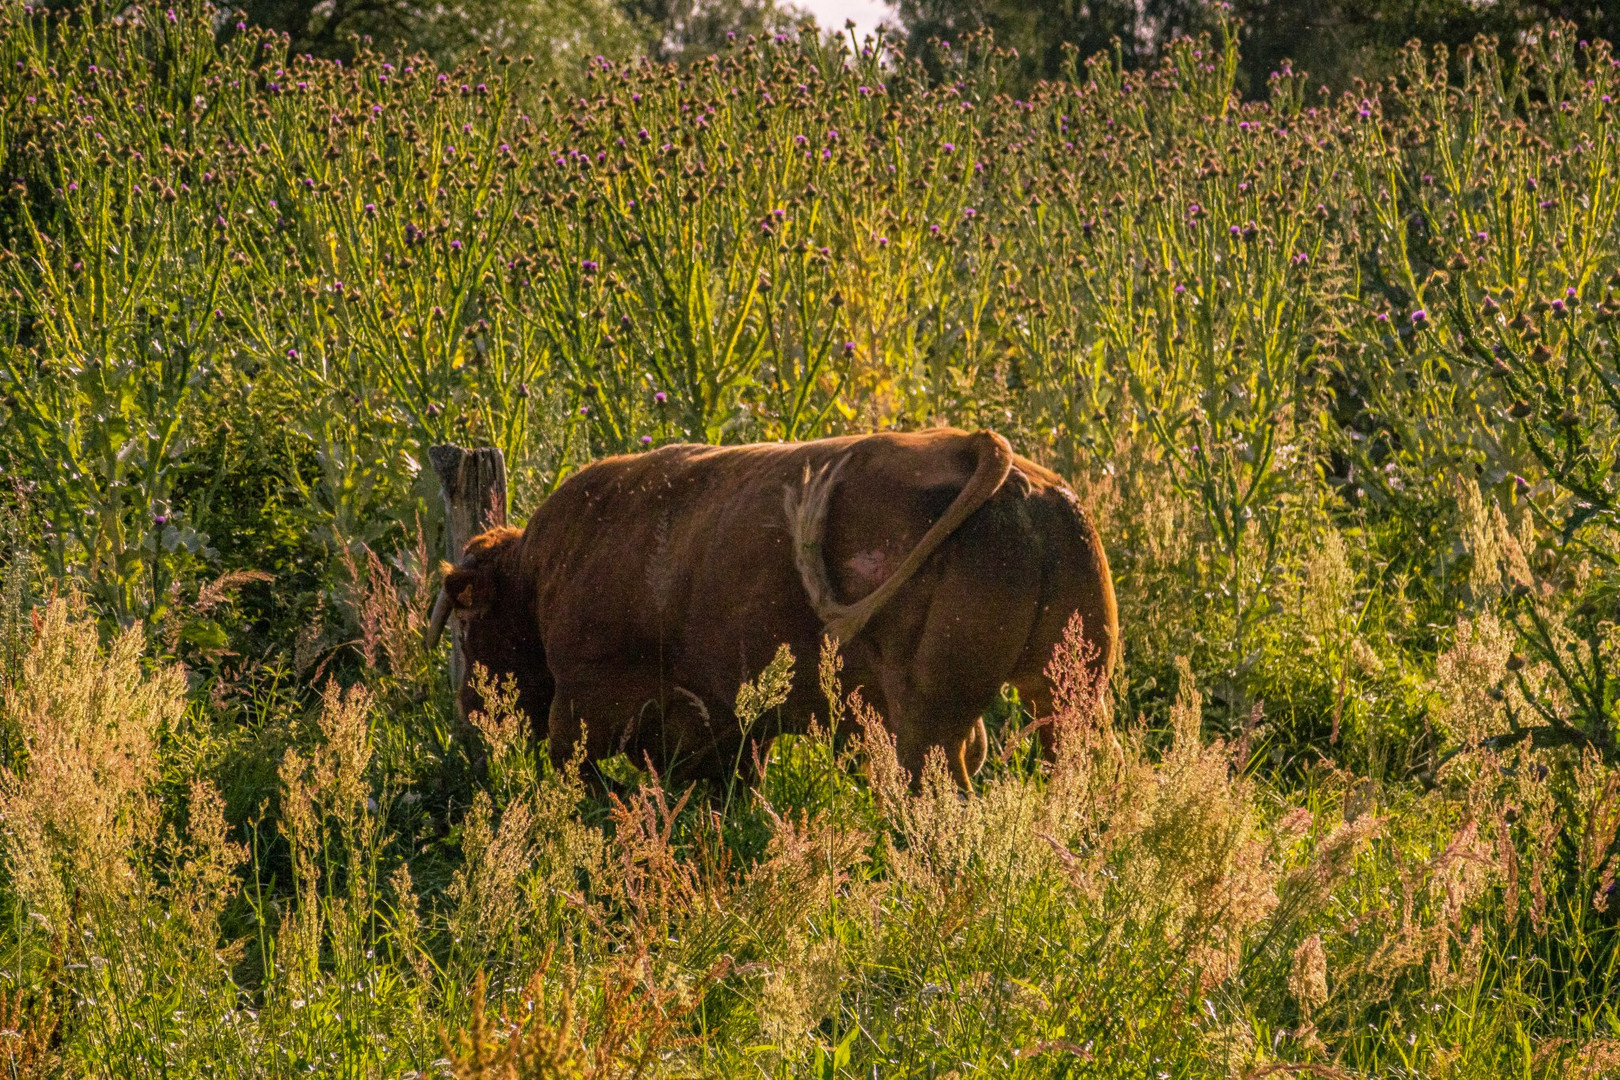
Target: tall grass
point(1129, 910)
point(1335, 377)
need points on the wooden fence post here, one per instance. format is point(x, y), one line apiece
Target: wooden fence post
point(474, 486)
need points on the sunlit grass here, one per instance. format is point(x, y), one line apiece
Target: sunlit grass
point(1336, 379)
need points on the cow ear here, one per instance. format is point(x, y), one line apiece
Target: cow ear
point(469, 590)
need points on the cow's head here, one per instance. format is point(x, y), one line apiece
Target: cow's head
point(492, 601)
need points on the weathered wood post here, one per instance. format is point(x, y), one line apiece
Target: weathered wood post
point(474, 486)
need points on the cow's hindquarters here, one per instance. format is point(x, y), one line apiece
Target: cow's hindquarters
point(952, 640)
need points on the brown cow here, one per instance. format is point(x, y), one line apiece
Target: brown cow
point(649, 586)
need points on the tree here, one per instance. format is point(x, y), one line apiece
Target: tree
point(1039, 29)
point(1337, 40)
point(557, 33)
point(1334, 40)
point(683, 29)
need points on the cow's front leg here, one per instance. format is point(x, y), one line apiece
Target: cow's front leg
point(647, 716)
point(603, 710)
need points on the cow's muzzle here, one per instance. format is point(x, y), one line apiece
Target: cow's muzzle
point(441, 614)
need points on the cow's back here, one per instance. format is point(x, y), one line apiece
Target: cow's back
point(668, 554)
point(682, 559)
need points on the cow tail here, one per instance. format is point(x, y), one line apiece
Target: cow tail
point(807, 516)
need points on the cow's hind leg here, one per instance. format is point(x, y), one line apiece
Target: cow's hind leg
point(936, 696)
point(1074, 581)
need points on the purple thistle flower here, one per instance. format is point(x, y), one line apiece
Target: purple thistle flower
point(646, 440)
point(660, 397)
point(1419, 317)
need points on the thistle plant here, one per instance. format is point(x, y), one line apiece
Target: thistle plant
point(1335, 376)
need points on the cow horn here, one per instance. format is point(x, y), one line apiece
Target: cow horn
point(441, 612)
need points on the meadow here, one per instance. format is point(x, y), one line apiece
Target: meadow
point(1337, 377)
